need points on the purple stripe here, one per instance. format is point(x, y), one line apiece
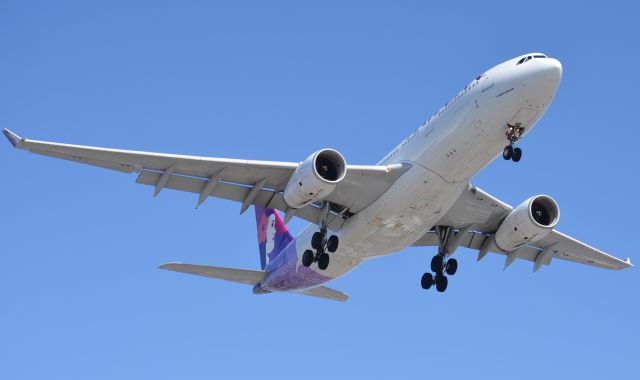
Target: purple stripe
point(286, 272)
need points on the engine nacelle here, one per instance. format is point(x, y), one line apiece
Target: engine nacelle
point(532, 220)
point(315, 178)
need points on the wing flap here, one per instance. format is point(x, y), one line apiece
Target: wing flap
point(238, 192)
point(571, 249)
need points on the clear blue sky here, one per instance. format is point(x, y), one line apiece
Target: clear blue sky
point(80, 293)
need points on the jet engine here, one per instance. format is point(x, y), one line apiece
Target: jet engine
point(532, 220)
point(315, 178)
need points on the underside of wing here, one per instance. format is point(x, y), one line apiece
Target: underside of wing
point(475, 218)
point(246, 181)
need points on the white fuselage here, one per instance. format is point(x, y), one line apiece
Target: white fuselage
point(445, 152)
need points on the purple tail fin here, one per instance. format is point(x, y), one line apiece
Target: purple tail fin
point(273, 234)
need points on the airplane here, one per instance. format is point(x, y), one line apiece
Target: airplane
point(418, 195)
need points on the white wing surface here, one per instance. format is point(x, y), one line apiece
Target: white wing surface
point(246, 181)
point(485, 213)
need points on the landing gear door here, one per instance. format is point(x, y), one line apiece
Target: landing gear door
point(523, 117)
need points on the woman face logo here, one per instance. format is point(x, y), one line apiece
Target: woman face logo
point(271, 235)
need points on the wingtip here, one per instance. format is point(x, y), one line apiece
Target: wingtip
point(168, 266)
point(14, 139)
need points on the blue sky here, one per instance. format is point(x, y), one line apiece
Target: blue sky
point(81, 295)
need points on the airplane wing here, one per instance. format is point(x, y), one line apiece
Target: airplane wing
point(249, 182)
point(484, 213)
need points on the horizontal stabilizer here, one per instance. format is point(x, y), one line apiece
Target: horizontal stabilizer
point(243, 276)
point(249, 277)
point(324, 292)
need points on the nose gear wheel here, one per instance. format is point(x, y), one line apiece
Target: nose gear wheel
point(514, 132)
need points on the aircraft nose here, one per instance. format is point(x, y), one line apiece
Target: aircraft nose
point(552, 69)
point(544, 77)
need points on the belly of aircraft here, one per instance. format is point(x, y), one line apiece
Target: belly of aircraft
point(401, 216)
point(460, 145)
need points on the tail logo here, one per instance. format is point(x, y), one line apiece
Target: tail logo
point(273, 235)
point(267, 234)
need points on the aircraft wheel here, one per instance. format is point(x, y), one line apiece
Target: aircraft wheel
point(452, 266)
point(307, 258)
point(517, 154)
point(426, 281)
point(332, 243)
point(436, 264)
point(441, 283)
point(507, 152)
point(316, 240)
point(323, 261)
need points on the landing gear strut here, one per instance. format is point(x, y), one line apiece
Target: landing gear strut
point(439, 263)
point(514, 133)
point(320, 243)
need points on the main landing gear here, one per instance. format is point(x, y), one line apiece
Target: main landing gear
point(514, 132)
point(439, 263)
point(320, 243)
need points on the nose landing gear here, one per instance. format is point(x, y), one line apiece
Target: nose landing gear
point(514, 133)
point(320, 243)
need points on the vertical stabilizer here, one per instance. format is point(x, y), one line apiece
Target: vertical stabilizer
point(273, 234)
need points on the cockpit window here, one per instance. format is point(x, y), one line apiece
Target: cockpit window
point(525, 59)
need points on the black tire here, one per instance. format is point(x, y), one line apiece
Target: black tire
point(332, 243)
point(316, 240)
point(323, 261)
point(507, 152)
point(517, 155)
point(426, 281)
point(452, 266)
point(441, 283)
point(436, 264)
point(307, 258)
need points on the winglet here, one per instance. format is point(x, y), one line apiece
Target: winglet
point(14, 139)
